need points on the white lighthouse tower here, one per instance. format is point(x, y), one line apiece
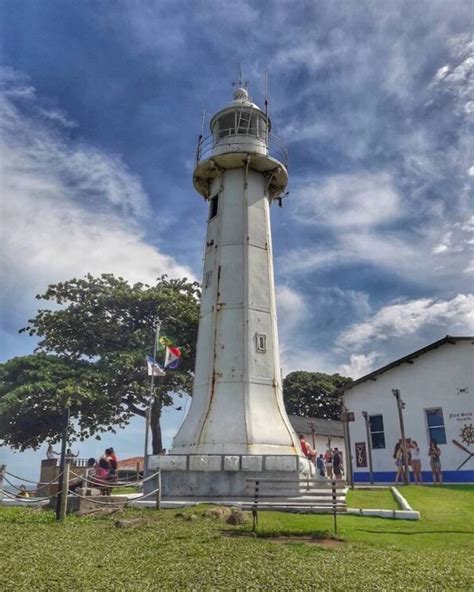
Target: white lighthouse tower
point(237, 424)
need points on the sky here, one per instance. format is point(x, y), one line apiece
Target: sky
point(100, 112)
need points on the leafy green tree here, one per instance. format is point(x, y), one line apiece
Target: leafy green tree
point(106, 325)
point(34, 392)
point(314, 394)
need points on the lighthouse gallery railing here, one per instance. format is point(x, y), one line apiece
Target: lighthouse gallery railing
point(274, 145)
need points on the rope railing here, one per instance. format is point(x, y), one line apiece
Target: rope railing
point(35, 482)
point(141, 497)
point(116, 483)
point(103, 481)
point(31, 500)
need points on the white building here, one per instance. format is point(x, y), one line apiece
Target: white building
point(436, 384)
point(321, 434)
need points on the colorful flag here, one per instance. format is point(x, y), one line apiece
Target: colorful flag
point(164, 342)
point(154, 369)
point(172, 357)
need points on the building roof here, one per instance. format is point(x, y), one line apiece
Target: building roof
point(321, 427)
point(130, 464)
point(409, 358)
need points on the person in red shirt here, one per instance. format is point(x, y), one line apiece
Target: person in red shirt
point(306, 448)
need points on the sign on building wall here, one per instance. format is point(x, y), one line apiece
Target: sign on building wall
point(361, 454)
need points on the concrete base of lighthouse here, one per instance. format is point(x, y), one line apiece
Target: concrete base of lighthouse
point(219, 476)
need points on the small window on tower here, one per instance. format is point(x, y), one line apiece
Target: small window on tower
point(213, 206)
point(207, 279)
point(261, 342)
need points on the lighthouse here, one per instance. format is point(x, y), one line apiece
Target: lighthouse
point(237, 425)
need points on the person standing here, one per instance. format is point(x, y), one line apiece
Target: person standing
point(306, 448)
point(50, 453)
point(70, 456)
point(320, 465)
point(337, 464)
point(435, 462)
point(112, 460)
point(328, 461)
point(416, 461)
point(398, 456)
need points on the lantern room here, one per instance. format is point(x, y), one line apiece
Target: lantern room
point(241, 125)
point(240, 134)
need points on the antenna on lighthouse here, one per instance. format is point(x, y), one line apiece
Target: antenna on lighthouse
point(199, 144)
point(241, 83)
point(266, 92)
point(202, 121)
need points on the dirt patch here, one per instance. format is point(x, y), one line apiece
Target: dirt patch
point(327, 542)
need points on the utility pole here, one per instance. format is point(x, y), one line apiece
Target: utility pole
point(2, 474)
point(401, 406)
point(313, 435)
point(369, 446)
point(345, 418)
point(150, 401)
point(63, 489)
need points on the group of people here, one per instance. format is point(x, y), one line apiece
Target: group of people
point(328, 465)
point(413, 459)
point(99, 473)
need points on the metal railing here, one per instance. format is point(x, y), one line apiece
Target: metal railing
point(250, 141)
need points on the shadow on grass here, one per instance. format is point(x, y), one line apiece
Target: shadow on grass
point(415, 533)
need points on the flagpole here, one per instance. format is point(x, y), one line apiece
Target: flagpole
point(150, 401)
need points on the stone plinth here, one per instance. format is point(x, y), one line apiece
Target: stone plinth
point(218, 476)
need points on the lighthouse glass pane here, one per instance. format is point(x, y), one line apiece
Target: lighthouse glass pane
point(227, 125)
point(244, 122)
point(262, 127)
point(435, 423)
point(377, 434)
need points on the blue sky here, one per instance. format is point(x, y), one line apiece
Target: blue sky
point(101, 108)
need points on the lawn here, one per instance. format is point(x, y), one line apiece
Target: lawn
point(167, 552)
point(378, 498)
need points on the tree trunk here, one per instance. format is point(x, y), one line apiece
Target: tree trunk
point(155, 426)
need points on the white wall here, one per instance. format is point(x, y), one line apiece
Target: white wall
point(433, 380)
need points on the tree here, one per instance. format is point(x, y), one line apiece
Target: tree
point(34, 393)
point(314, 394)
point(106, 325)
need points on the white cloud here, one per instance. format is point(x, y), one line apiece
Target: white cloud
point(402, 319)
point(291, 308)
point(359, 365)
point(67, 209)
point(456, 77)
point(342, 201)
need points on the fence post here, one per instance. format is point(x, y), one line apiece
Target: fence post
point(2, 474)
point(255, 507)
point(334, 506)
point(158, 487)
point(64, 491)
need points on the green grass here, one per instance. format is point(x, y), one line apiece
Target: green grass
point(377, 498)
point(169, 553)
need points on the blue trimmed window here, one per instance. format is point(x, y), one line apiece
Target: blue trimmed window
point(377, 434)
point(435, 423)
